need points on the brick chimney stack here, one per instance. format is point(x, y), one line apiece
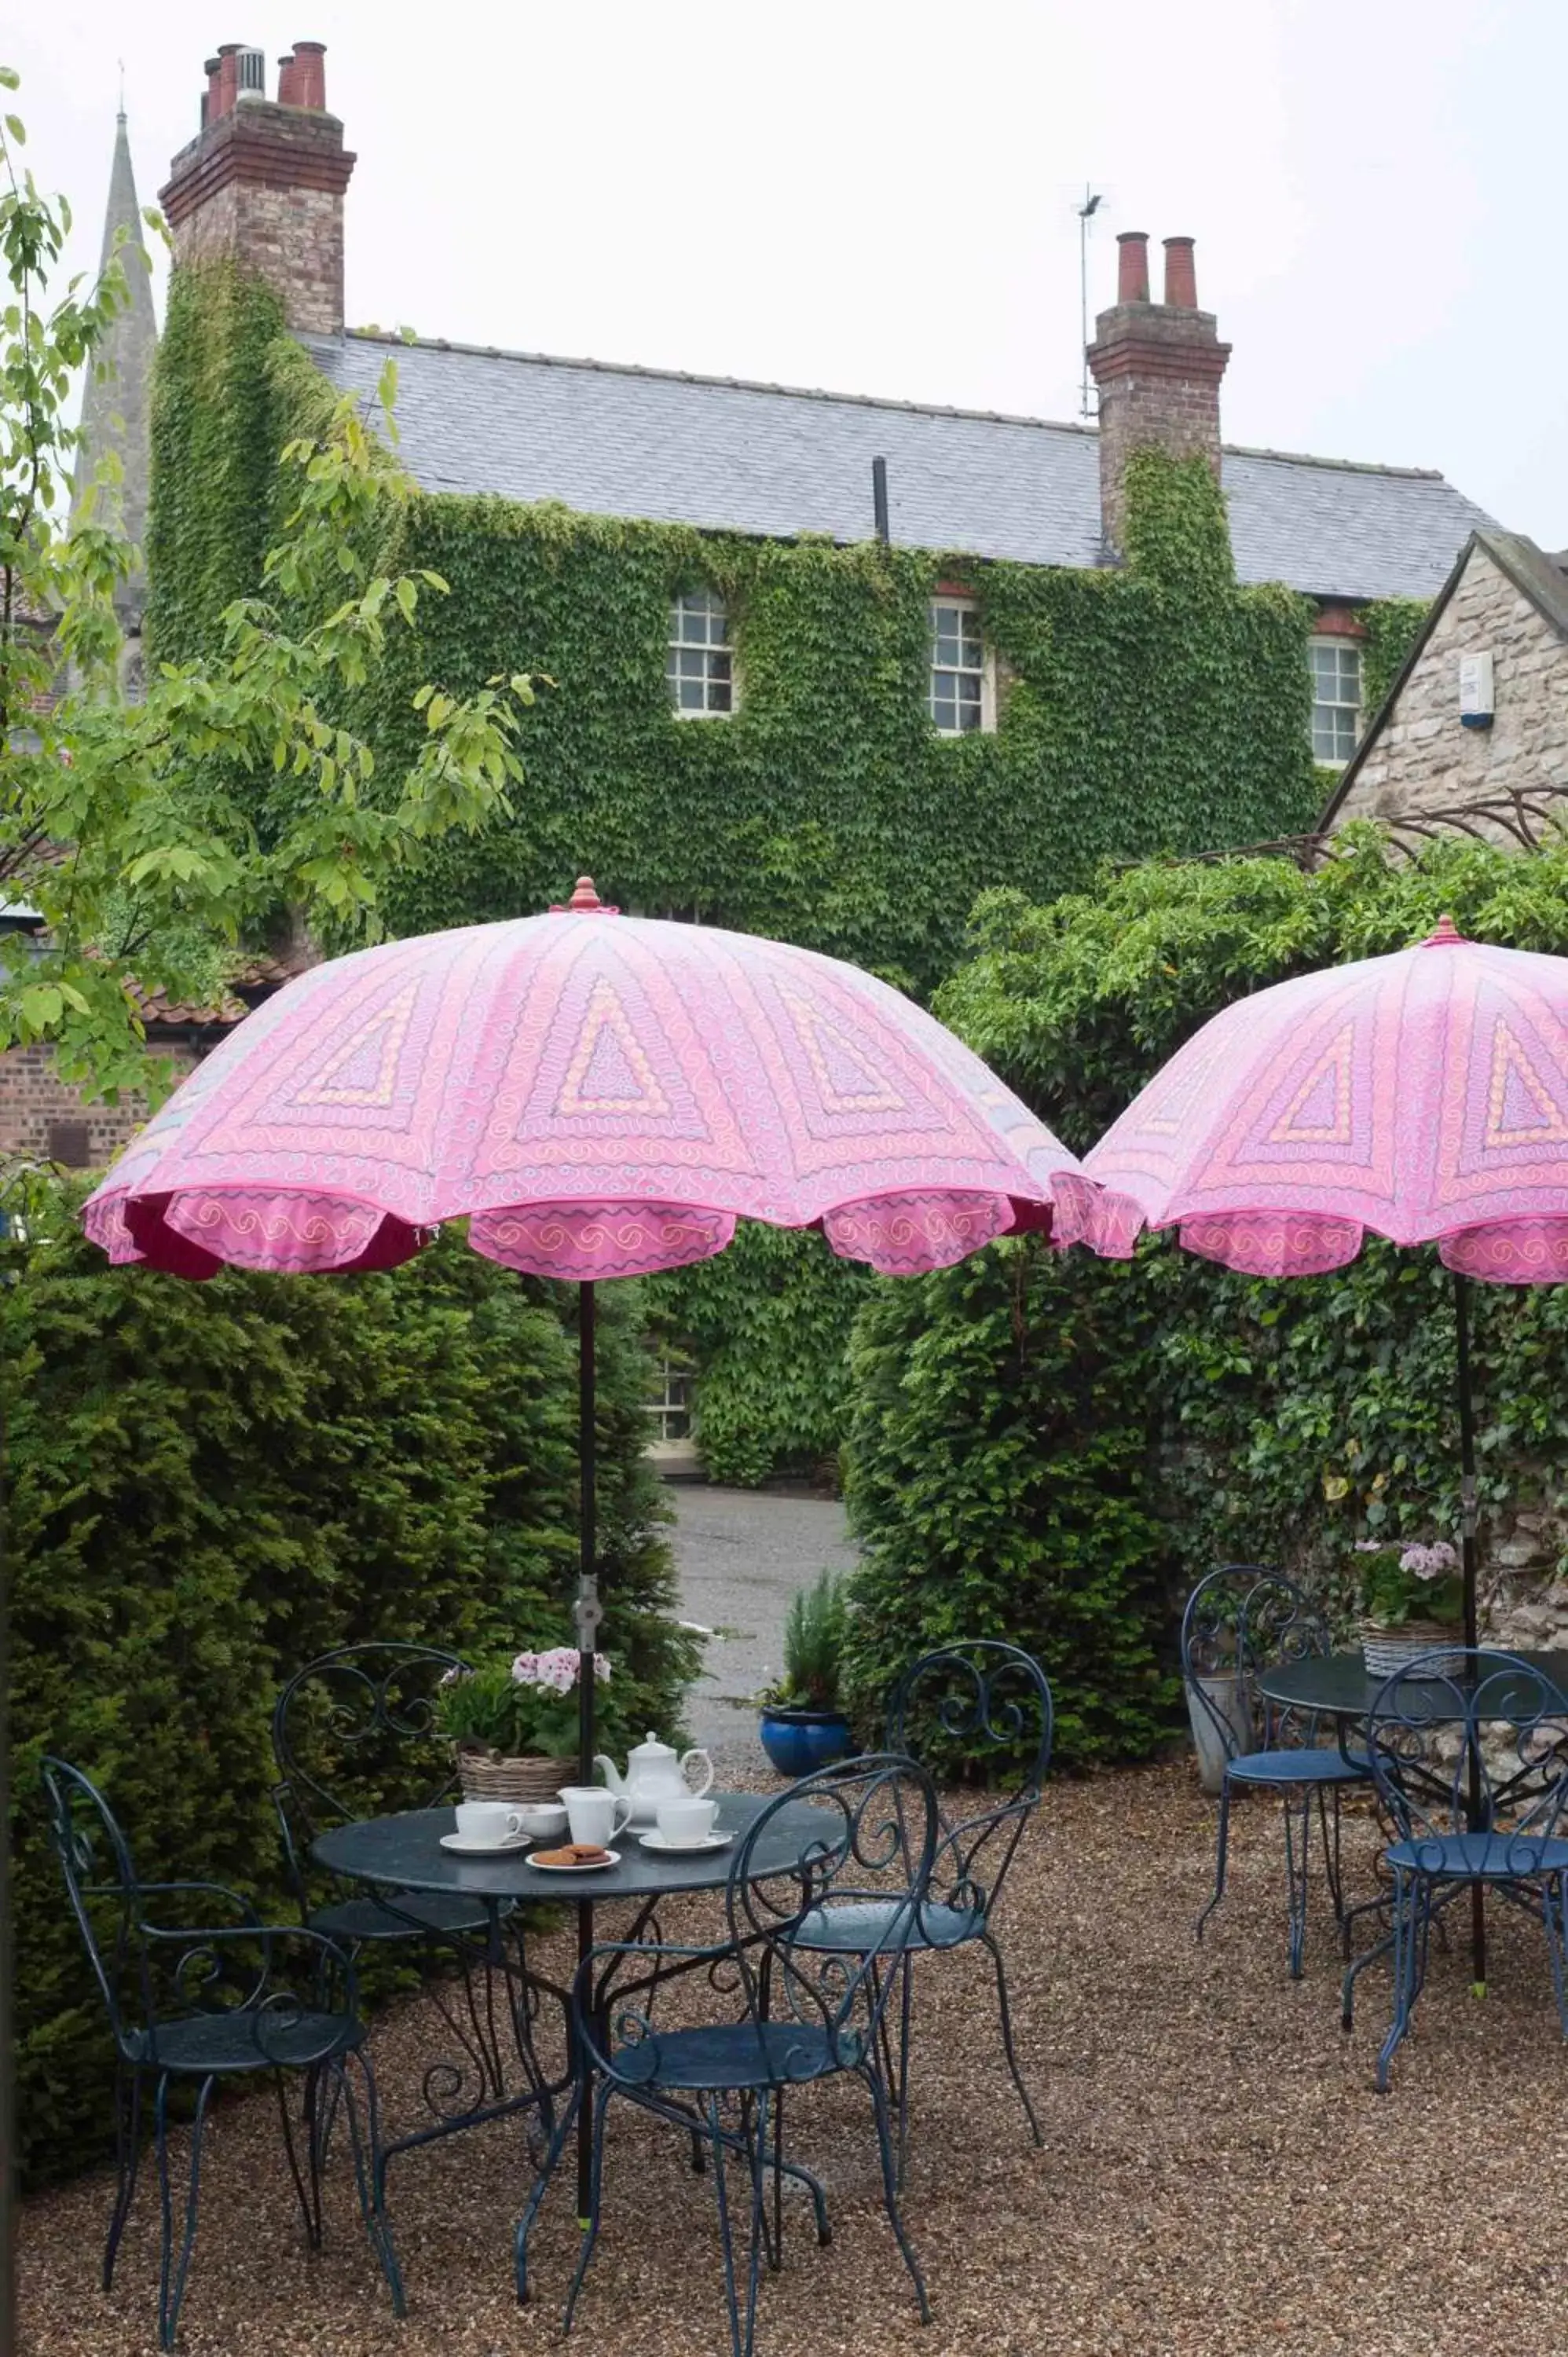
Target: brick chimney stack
point(262, 184)
point(1158, 367)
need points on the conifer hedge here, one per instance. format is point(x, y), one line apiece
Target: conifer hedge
point(210, 1484)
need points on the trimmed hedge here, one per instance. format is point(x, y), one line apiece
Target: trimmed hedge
point(1056, 1449)
point(211, 1484)
point(999, 1482)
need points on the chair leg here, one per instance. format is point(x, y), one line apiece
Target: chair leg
point(890, 2189)
point(1332, 1872)
point(1298, 1868)
point(1221, 1846)
point(557, 2146)
point(906, 1983)
point(1551, 1913)
point(1408, 1903)
point(1005, 2012)
point(756, 2153)
point(716, 2134)
point(128, 2160)
point(172, 2272)
point(308, 2195)
point(370, 2168)
point(596, 2190)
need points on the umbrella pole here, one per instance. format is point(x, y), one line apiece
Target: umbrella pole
point(1468, 1522)
point(585, 1614)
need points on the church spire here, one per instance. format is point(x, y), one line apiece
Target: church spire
point(116, 400)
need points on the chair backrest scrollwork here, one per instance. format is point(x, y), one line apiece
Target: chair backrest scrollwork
point(354, 1733)
point(989, 1704)
point(1240, 1620)
point(1467, 1739)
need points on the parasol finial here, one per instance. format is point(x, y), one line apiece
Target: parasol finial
point(1446, 934)
point(584, 902)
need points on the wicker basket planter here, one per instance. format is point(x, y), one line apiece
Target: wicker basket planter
point(1385, 1651)
point(488, 1776)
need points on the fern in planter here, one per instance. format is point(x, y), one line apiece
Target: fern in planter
point(803, 1723)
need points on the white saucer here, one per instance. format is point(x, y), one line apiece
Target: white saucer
point(685, 1848)
point(611, 1857)
point(465, 1845)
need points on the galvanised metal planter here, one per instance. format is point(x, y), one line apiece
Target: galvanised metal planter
point(797, 1742)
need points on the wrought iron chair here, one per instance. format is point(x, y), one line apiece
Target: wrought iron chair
point(983, 1700)
point(1239, 1621)
point(805, 2015)
point(1470, 1757)
point(205, 2002)
point(348, 1729)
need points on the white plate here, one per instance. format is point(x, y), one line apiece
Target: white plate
point(610, 1858)
point(685, 1848)
point(467, 1846)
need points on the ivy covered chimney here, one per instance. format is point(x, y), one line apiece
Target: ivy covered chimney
point(1158, 367)
point(263, 183)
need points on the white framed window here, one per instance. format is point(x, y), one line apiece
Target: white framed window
point(1335, 698)
point(963, 693)
point(699, 667)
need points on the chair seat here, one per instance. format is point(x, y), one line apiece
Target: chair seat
point(1308, 1766)
point(735, 2055)
point(413, 1913)
point(863, 1927)
point(270, 2038)
point(1480, 1857)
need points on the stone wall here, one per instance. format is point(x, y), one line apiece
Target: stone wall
point(1424, 759)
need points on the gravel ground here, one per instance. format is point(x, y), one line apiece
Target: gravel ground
point(1216, 2175)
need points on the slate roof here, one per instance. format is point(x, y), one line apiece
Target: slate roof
point(728, 456)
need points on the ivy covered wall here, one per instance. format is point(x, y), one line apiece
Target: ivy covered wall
point(1156, 708)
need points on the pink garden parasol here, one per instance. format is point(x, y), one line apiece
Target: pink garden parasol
point(599, 1095)
point(1423, 1095)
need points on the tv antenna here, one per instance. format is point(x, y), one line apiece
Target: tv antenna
point(1086, 212)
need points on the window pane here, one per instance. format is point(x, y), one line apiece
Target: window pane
point(1323, 734)
point(719, 695)
point(944, 711)
point(973, 651)
point(718, 666)
point(691, 695)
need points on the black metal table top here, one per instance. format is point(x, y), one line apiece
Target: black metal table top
point(1338, 1683)
point(404, 1853)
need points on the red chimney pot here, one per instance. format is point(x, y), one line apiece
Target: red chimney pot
point(1133, 266)
point(288, 80)
point(228, 81)
point(1181, 277)
point(310, 75)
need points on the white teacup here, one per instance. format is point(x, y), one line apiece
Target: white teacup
point(594, 1815)
point(689, 1820)
point(495, 1823)
point(542, 1820)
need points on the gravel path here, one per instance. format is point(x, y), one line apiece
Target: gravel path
point(741, 1554)
point(1216, 2175)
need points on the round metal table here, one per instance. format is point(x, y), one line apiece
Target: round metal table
point(479, 2080)
point(404, 1853)
point(1338, 1684)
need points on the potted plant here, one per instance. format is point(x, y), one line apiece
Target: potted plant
point(513, 1724)
point(1412, 1603)
point(802, 1724)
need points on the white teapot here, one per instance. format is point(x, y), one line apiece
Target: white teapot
point(653, 1773)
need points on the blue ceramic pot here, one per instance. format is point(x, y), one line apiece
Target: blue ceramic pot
point(797, 1742)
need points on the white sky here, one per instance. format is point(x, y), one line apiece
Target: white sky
point(877, 196)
